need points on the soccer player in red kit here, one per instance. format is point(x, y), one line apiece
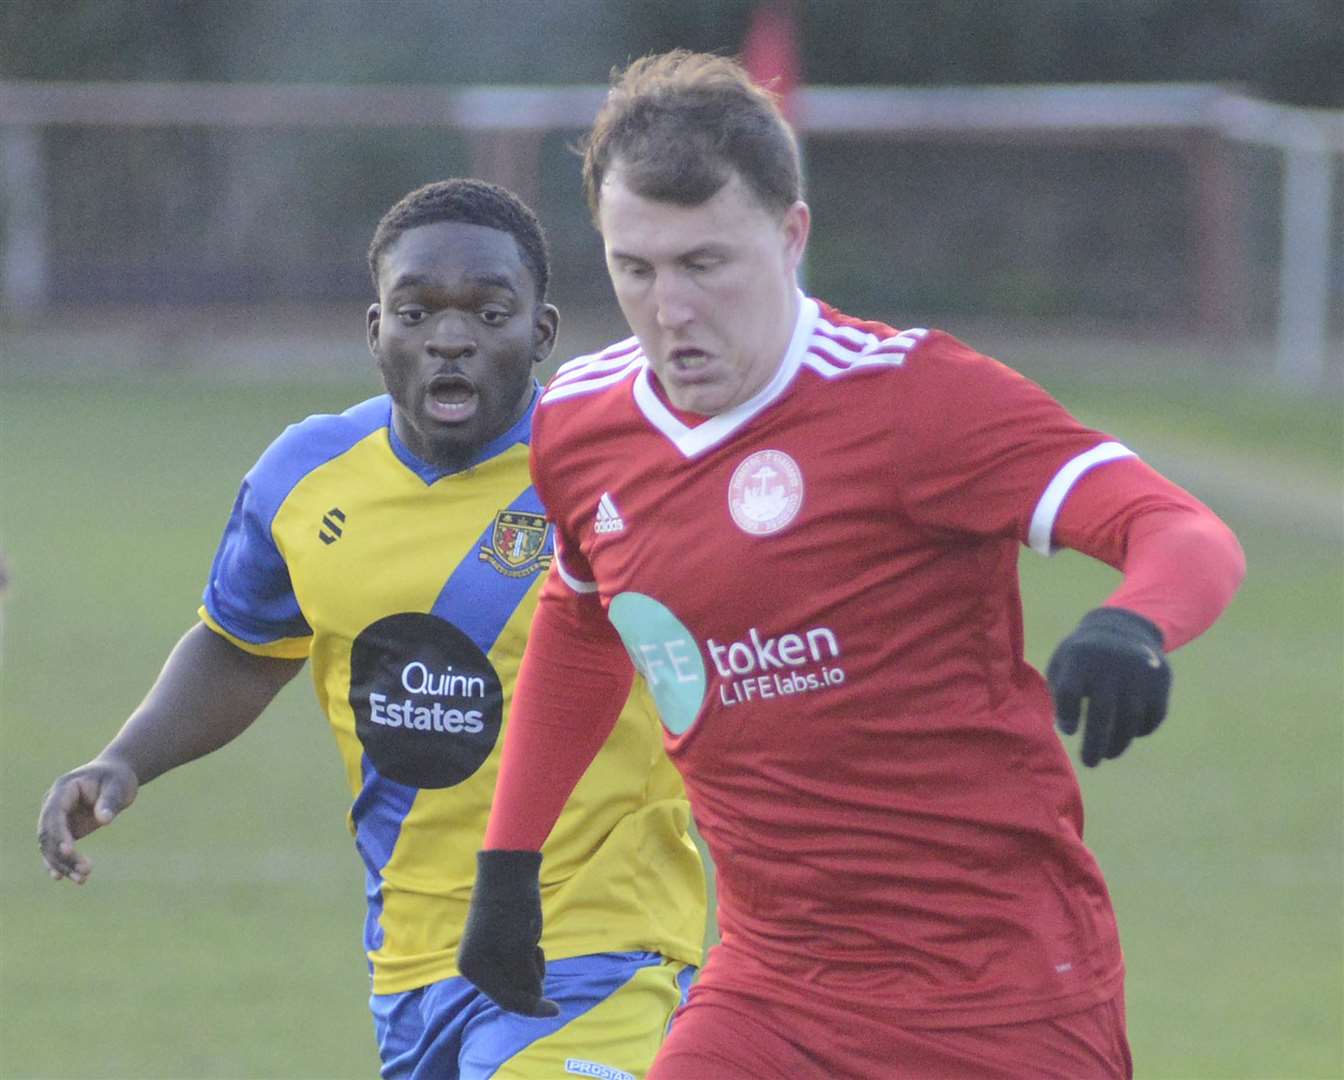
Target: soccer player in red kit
point(802, 528)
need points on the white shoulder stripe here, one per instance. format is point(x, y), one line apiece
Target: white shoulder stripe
point(906, 339)
point(613, 357)
point(824, 363)
point(620, 348)
point(592, 384)
point(830, 365)
point(587, 374)
point(852, 336)
point(845, 335)
point(1047, 509)
point(568, 375)
point(834, 350)
point(577, 584)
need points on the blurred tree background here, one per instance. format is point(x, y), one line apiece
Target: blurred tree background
point(909, 229)
point(1288, 50)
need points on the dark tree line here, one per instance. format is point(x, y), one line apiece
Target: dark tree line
point(904, 226)
point(1290, 50)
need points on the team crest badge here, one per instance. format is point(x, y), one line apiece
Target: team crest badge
point(517, 546)
point(765, 493)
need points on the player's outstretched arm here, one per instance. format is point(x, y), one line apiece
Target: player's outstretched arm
point(574, 677)
point(208, 693)
point(1182, 566)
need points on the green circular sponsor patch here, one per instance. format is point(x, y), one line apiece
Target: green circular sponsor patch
point(665, 653)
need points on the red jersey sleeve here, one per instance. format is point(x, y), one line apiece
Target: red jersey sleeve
point(574, 678)
point(980, 443)
point(1181, 563)
point(990, 453)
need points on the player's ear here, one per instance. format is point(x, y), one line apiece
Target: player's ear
point(795, 225)
point(375, 318)
point(544, 330)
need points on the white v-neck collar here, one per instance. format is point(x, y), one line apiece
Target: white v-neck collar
point(692, 441)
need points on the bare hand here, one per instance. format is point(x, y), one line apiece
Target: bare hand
point(79, 802)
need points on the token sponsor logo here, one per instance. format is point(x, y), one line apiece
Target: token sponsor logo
point(756, 668)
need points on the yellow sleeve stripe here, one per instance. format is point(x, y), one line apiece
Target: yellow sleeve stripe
point(293, 648)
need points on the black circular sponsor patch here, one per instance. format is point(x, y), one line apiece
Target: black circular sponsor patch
point(427, 702)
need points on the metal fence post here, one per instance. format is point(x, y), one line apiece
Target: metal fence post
point(1304, 264)
point(23, 208)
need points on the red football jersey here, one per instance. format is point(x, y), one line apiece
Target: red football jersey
point(820, 588)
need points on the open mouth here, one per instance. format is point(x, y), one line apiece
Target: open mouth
point(451, 398)
point(685, 360)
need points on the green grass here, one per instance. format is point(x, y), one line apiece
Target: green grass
point(219, 935)
point(1220, 835)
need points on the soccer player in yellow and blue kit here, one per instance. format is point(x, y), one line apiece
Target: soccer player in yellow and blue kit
point(400, 548)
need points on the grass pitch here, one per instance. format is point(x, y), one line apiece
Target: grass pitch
point(220, 933)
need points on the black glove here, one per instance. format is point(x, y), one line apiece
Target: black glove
point(499, 950)
point(1115, 660)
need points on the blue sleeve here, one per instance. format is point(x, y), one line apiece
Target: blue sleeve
point(249, 594)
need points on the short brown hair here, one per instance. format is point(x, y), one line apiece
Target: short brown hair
point(680, 123)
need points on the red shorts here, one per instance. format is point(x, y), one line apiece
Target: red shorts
point(728, 1037)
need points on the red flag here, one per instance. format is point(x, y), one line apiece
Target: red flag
point(770, 51)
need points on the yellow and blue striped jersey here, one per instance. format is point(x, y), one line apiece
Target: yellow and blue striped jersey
point(411, 591)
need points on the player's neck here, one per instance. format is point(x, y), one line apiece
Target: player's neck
point(690, 419)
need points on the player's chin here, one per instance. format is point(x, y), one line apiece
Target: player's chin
point(704, 400)
point(455, 436)
point(449, 443)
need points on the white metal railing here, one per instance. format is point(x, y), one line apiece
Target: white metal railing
point(820, 110)
point(1309, 139)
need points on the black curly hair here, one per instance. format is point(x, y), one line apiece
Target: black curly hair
point(473, 202)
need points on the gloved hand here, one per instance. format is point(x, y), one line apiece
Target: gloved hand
point(1115, 660)
point(500, 953)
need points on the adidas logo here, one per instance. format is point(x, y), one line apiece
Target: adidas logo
point(608, 517)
